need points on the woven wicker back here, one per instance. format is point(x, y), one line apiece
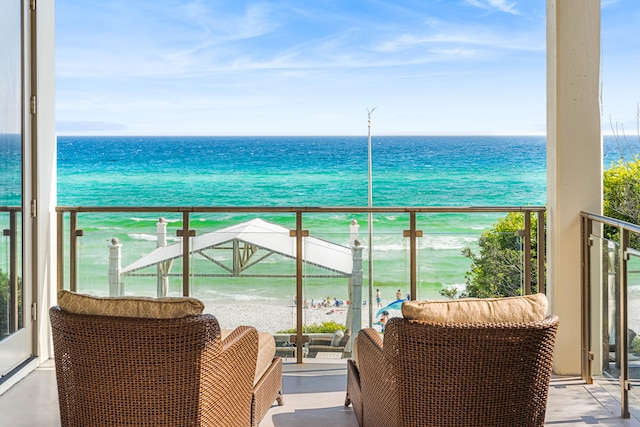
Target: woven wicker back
point(470, 375)
point(141, 372)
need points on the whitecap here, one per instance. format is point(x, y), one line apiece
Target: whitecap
point(141, 236)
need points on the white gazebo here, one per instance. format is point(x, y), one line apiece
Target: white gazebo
point(250, 242)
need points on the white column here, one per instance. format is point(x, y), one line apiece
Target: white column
point(354, 321)
point(115, 268)
point(354, 232)
point(162, 267)
point(44, 260)
point(574, 160)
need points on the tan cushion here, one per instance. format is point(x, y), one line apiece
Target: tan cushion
point(266, 352)
point(529, 308)
point(139, 307)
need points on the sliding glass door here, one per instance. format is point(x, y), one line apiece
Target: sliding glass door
point(15, 340)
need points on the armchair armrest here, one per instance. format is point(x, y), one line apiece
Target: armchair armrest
point(228, 376)
point(377, 379)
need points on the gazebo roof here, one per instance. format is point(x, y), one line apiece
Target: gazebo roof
point(264, 235)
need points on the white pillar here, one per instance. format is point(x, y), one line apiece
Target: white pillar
point(40, 231)
point(161, 233)
point(162, 267)
point(354, 232)
point(574, 160)
point(354, 319)
point(115, 268)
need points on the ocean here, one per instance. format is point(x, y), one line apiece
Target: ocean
point(297, 171)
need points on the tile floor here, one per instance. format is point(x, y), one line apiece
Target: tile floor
point(314, 396)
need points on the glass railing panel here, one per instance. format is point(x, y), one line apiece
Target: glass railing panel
point(64, 247)
point(613, 294)
point(391, 275)
point(633, 325)
point(152, 255)
point(5, 284)
point(343, 300)
point(112, 251)
point(605, 271)
point(442, 264)
point(334, 286)
point(474, 257)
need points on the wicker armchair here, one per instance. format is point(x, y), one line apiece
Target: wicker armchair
point(157, 372)
point(434, 374)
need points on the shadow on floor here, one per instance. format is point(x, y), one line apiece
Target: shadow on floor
point(333, 416)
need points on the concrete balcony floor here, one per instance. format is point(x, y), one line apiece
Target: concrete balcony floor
point(314, 396)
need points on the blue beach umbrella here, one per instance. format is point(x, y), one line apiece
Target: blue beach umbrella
point(396, 305)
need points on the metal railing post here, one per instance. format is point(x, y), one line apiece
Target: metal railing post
point(622, 324)
point(299, 233)
point(527, 253)
point(73, 244)
point(12, 233)
point(60, 250)
point(542, 255)
point(412, 234)
point(185, 233)
point(585, 236)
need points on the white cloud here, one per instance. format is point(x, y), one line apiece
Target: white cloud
point(463, 39)
point(500, 5)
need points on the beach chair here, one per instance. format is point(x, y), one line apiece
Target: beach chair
point(157, 362)
point(457, 367)
point(334, 343)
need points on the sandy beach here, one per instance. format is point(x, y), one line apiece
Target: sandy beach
point(271, 318)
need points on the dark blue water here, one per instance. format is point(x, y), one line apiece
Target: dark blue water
point(327, 171)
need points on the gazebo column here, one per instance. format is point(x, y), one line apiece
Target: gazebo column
point(574, 160)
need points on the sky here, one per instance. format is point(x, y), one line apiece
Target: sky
point(309, 67)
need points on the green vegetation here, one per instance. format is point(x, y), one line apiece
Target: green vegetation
point(5, 304)
point(324, 327)
point(496, 271)
point(622, 195)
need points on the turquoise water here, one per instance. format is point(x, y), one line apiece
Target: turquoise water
point(298, 171)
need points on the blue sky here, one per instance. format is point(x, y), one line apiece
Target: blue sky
point(309, 67)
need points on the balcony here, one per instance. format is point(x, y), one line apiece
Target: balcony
point(141, 265)
point(84, 265)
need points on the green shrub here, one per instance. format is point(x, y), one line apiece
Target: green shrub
point(496, 270)
point(324, 327)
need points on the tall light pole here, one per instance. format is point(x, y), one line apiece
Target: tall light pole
point(370, 219)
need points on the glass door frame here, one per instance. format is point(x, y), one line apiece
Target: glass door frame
point(16, 349)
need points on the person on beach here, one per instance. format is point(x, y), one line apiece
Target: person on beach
point(399, 294)
point(378, 298)
point(383, 319)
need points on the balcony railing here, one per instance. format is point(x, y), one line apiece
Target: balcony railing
point(287, 256)
point(611, 305)
point(10, 266)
